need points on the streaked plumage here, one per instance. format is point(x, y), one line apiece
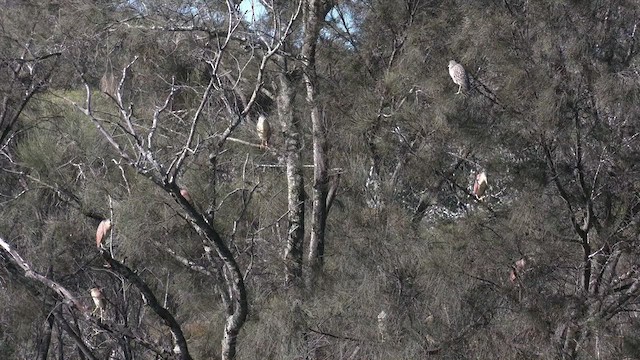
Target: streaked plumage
point(98, 300)
point(264, 130)
point(459, 76)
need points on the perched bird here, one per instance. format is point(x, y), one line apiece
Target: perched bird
point(480, 186)
point(108, 84)
point(517, 269)
point(98, 300)
point(103, 231)
point(459, 76)
point(185, 194)
point(264, 130)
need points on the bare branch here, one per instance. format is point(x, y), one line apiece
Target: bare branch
point(157, 112)
point(561, 190)
point(151, 300)
point(60, 320)
point(175, 166)
point(63, 294)
point(224, 295)
point(97, 121)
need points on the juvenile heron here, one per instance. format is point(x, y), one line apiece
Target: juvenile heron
point(185, 194)
point(459, 76)
point(103, 231)
point(264, 130)
point(480, 185)
point(99, 301)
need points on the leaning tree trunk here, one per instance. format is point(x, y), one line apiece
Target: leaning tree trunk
point(233, 276)
point(315, 11)
point(291, 128)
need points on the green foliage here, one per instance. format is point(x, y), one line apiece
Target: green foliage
point(547, 78)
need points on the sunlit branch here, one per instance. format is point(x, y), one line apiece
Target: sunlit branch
point(157, 112)
point(259, 79)
point(64, 294)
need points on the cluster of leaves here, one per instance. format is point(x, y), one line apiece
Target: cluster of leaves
point(414, 264)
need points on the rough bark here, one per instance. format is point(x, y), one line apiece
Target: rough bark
point(314, 13)
point(291, 129)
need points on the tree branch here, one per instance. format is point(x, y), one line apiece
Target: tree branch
point(176, 331)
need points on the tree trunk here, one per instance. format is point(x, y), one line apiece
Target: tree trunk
point(315, 12)
point(291, 128)
point(80, 343)
point(45, 342)
point(233, 275)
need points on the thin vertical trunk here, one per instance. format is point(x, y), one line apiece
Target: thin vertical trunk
point(570, 342)
point(60, 341)
point(315, 11)
point(211, 206)
point(232, 275)
point(45, 342)
point(291, 128)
